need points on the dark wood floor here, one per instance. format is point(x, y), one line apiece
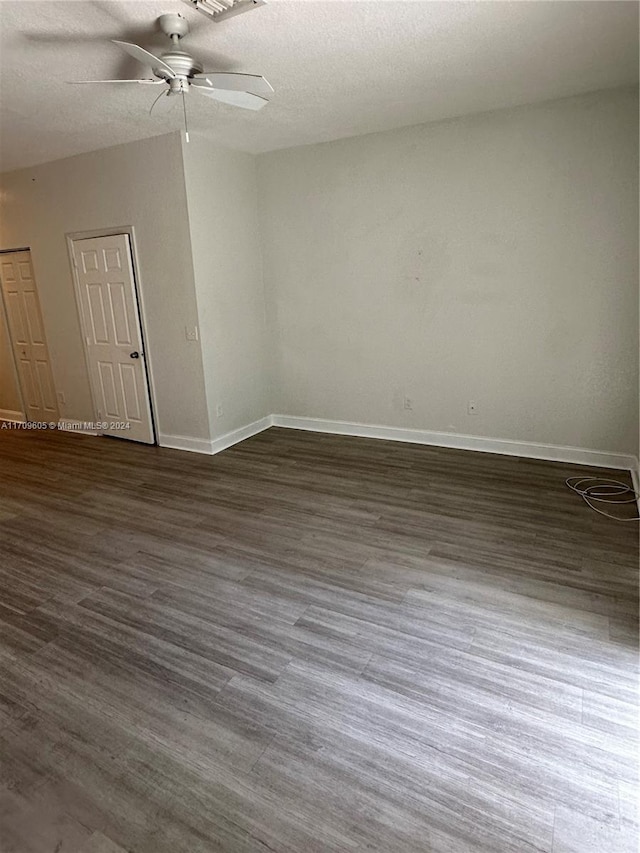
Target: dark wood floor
point(310, 644)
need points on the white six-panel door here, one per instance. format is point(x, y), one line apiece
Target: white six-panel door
point(113, 337)
point(27, 336)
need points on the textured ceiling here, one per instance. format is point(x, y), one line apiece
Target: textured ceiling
point(339, 68)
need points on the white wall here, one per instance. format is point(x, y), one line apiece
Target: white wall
point(492, 258)
point(140, 184)
point(223, 216)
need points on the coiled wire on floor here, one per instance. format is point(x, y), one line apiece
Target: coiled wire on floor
point(592, 489)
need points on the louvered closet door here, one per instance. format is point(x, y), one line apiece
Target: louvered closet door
point(28, 337)
point(111, 326)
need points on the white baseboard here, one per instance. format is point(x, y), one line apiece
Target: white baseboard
point(507, 447)
point(210, 447)
point(240, 434)
point(14, 417)
point(504, 446)
point(183, 442)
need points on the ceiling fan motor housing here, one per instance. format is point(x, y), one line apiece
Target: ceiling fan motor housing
point(180, 62)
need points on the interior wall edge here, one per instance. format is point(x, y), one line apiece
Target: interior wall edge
point(192, 258)
point(222, 194)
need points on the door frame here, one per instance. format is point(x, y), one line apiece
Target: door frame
point(129, 230)
point(7, 327)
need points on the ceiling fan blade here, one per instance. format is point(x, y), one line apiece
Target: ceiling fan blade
point(145, 57)
point(236, 99)
point(254, 83)
point(80, 82)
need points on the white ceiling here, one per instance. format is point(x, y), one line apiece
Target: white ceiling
point(339, 68)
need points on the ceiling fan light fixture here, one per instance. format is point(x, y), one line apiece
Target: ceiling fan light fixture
point(220, 10)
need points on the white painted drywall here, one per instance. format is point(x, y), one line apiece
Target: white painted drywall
point(222, 202)
point(141, 185)
point(492, 259)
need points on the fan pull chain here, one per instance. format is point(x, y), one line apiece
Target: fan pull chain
point(186, 126)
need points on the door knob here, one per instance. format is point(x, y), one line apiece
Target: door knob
point(134, 355)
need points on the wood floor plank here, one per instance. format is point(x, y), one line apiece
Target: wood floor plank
point(99, 843)
point(311, 644)
point(37, 825)
point(574, 833)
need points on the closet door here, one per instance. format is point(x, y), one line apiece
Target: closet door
point(27, 336)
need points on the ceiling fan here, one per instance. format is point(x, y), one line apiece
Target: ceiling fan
point(180, 72)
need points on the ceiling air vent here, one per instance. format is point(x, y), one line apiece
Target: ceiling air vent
point(220, 10)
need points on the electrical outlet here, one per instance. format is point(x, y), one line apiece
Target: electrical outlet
point(219, 410)
point(472, 408)
point(191, 333)
point(61, 398)
point(408, 404)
